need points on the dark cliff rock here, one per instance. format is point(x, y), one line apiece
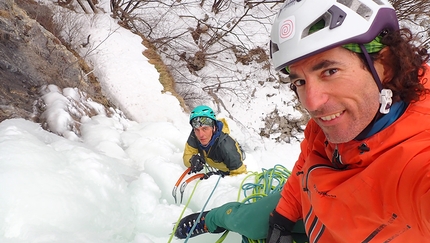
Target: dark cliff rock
point(31, 57)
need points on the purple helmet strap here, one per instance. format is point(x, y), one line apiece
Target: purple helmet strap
point(371, 67)
point(385, 95)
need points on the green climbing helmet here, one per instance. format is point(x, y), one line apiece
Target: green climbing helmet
point(202, 111)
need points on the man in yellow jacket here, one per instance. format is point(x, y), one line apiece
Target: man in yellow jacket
point(209, 142)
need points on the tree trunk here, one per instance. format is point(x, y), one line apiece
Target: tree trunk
point(82, 6)
point(93, 7)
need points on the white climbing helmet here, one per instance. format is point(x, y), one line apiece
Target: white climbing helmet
point(341, 22)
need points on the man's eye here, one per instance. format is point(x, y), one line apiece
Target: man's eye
point(330, 72)
point(299, 82)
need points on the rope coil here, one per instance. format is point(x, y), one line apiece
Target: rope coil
point(266, 182)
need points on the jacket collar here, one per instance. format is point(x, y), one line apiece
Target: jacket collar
point(381, 122)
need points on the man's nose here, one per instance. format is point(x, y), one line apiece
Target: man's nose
point(314, 95)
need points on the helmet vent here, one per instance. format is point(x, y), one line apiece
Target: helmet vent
point(358, 7)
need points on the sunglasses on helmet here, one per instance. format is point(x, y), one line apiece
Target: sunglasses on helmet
point(202, 121)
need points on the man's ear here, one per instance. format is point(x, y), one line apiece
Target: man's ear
point(385, 69)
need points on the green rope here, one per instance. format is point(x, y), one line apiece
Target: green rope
point(243, 181)
point(203, 209)
point(223, 236)
point(207, 169)
point(182, 213)
point(266, 182)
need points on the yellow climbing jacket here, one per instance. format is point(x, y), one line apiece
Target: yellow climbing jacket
point(225, 154)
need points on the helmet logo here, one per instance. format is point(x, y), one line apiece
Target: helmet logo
point(287, 29)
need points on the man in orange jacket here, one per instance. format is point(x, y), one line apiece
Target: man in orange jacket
point(363, 174)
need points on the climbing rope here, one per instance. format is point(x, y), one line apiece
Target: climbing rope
point(266, 182)
point(203, 209)
point(183, 210)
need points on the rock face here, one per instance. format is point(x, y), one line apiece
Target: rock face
point(32, 57)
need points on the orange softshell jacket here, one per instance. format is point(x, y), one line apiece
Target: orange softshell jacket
point(375, 190)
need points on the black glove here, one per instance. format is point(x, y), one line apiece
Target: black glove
point(279, 229)
point(196, 162)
